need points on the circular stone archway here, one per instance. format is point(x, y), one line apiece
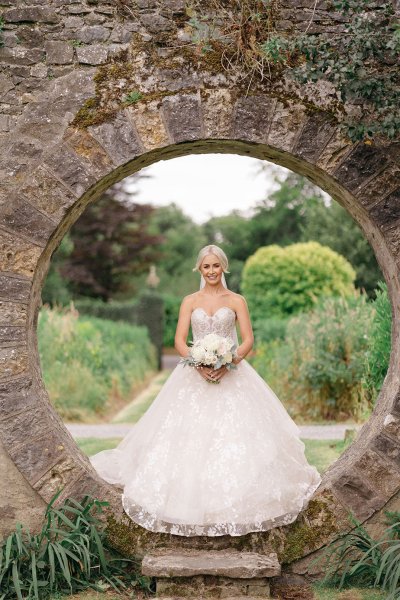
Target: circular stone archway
point(72, 140)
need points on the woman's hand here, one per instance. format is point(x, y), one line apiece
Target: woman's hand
point(206, 372)
point(219, 373)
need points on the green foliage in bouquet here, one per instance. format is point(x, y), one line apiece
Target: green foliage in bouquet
point(282, 281)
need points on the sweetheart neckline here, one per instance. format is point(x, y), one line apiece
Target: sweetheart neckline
point(218, 309)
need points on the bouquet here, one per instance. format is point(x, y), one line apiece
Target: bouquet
point(212, 350)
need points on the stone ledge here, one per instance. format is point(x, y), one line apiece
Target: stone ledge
point(187, 563)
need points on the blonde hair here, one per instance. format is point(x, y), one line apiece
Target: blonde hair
point(211, 249)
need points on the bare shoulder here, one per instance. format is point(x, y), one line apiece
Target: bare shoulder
point(188, 301)
point(238, 301)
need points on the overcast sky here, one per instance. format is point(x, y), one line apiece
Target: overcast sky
point(207, 185)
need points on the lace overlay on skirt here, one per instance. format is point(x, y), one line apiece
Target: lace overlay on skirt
point(210, 459)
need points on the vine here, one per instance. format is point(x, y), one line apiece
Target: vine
point(361, 60)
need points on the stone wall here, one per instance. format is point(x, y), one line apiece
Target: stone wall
point(68, 132)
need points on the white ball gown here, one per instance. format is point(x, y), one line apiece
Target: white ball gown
point(209, 459)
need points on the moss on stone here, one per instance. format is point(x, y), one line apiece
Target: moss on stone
point(308, 532)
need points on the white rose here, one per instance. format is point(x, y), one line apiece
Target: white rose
point(198, 354)
point(210, 359)
point(223, 347)
point(227, 357)
point(211, 342)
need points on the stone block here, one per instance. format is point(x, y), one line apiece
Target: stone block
point(155, 23)
point(12, 313)
point(217, 109)
point(228, 563)
point(90, 35)
point(59, 476)
point(381, 474)
point(15, 396)
point(34, 421)
point(182, 117)
point(92, 55)
point(20, 55)
point(252, 118)
point(370, 194)
point(12, 335)
point(17, 255)
point(14, 289)
point(37, 456)
point(47, 194)
point(314, 136)
point(33, 14)
point(357, 494)
point(334, 152)
point(59, 53)
point(363, 163)
point(89, 149)
point(16, 214)
point(13, 361)
point(74, 172)
point(118, 138)
point(387, 212)
point(86, 482)
point(387, 447)
point(148, 123)
point(285, 126)
point(392, 237)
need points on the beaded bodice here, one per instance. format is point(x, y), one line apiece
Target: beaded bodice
point(221, 322)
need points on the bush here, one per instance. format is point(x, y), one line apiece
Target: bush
point(87, 360)
point(68, 555)
point(171, 314)
point(145, 310)
point(266, 330)
point(378, 355)
point(282, 281)
point(318, 370)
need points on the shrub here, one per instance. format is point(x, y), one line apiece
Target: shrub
point(378, 354)
point(86, 360)
point(171, 314)
point(318, 369)
point(282, 281)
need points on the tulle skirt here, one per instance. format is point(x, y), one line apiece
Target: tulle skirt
point(212, 459)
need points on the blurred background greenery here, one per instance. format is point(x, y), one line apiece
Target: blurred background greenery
point(320, 312)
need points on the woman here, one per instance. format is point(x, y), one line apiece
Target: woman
point(212, 459)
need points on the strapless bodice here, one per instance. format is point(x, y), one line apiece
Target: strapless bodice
point(221, 322)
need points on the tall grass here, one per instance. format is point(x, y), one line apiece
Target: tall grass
point(87, 362)
point(356, 558)
point(69, 554)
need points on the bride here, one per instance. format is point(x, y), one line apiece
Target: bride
point(212, 459)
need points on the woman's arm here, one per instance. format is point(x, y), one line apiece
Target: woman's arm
point(182, 327)
point(246, 330)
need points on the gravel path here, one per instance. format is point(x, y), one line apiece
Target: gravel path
point(311, 432)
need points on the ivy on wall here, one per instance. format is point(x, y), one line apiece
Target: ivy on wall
point(361, 60)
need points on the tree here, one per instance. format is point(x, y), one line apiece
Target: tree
point(333, 226)
point(112, 244)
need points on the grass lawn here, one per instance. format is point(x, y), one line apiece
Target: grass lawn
point(135, 409)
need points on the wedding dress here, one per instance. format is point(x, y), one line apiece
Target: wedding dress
point(212, 459)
